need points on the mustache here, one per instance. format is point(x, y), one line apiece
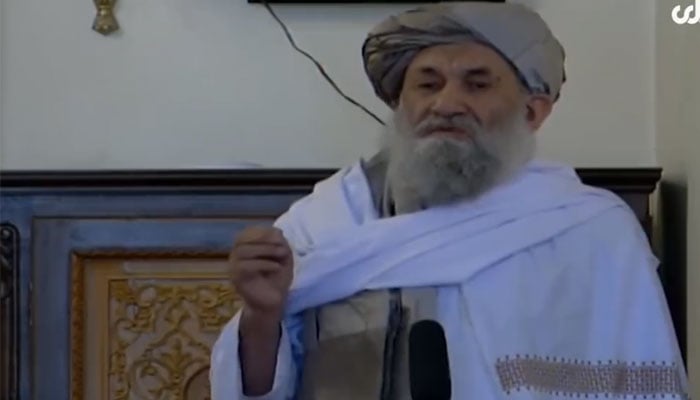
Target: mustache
point(463, 123)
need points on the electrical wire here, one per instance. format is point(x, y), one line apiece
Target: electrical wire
point(318, 65)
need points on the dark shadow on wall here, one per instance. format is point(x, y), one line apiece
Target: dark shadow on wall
point(673, 240)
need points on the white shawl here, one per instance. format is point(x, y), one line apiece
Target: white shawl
point(555, 281)
point(342, 247)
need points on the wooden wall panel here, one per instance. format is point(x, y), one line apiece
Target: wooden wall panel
point(9, 312)
point(104, 265)
point(143, 324)
point(88, 270)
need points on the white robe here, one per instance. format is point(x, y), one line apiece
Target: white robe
point(547, 288)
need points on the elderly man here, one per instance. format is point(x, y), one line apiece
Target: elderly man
point(542, 287)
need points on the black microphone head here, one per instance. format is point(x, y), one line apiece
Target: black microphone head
point(428, 363)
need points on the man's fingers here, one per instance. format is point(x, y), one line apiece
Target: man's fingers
point(260, 251)
point(262, 235)
point(251, 269)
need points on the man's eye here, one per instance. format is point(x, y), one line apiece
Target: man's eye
point(427, 85)
point(478, 85)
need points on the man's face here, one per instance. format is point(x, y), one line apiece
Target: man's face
point(463, 125)
point(466, 79)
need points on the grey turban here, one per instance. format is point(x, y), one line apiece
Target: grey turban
point(517, 33)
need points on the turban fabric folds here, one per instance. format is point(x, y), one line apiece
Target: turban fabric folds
point(514, 31)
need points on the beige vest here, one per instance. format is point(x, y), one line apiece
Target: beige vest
point(357, 348)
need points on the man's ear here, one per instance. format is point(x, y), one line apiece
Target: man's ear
point(538, 109)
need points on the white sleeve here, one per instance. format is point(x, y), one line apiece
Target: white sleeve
point(225, 370)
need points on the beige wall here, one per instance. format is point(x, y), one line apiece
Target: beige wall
point(694, 260)
point(693, 121)
point(214, 82)
point(678, 145)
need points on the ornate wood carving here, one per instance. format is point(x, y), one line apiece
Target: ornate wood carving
point(143, 323)
point(9, 312)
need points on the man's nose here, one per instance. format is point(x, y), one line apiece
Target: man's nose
point(449, 102)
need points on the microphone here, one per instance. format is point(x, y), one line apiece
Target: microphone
point(428, 365)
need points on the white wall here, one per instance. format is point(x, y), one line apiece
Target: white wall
point(213, 82)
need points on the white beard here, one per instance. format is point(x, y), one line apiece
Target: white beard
point(432, 171)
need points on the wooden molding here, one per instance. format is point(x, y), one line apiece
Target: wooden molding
point(261, 180)
point(9, 311)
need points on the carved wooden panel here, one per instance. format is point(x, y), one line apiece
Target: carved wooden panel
point(143, 325)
